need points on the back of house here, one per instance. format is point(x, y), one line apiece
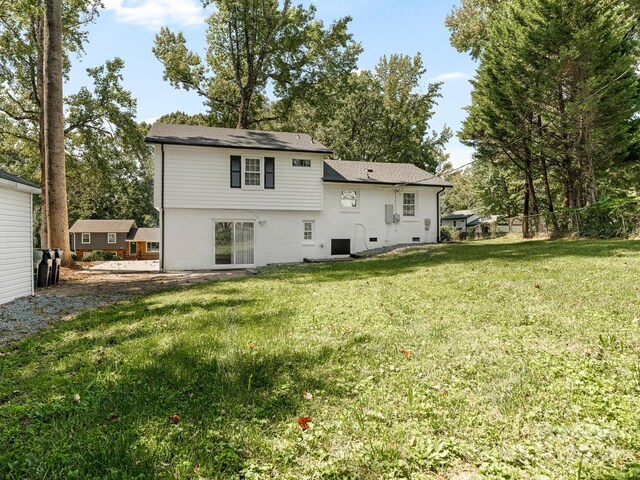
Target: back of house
point(239, 198)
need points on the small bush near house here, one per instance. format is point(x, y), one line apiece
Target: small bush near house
point(74, 256)
point(100, 256)
point(447, 233)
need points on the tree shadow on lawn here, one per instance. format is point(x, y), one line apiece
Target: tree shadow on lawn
point(456, 254)
point(122, 422)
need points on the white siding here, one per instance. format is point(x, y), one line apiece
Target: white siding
point(15, 244)
point(199, 177)
point(188, 241)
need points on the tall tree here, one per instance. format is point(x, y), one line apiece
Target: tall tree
point(253, 45)
point(58, 214)
point(556, 96)
point(381, 115)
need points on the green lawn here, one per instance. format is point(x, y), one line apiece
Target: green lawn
point(524, 362)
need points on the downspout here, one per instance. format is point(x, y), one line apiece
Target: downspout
point(162, 207)
point(438, 212)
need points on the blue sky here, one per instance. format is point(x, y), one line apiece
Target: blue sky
point(126, 28)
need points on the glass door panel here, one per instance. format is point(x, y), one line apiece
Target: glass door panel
point(234, 243)
point(224, 243)
point(244, 243)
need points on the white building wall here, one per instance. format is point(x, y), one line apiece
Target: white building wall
point(188, 241)
point(16, 258)
point(199, 177)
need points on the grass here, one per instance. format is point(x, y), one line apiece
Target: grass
point(524, 362)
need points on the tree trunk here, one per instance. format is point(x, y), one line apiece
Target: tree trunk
point(44, 171)
point(547, 188)
point(54, 130)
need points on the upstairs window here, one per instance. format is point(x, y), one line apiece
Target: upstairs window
point(409, 204)
point(252, 172)
point(111, 238)
point(349, 200)
point(86, 238)
point(299, 162)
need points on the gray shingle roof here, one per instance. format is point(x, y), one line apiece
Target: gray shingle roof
point(459, 215)
point(234, 138)
point(12, 178)
point(382, 173)
point(102, 226)
point(144, 235)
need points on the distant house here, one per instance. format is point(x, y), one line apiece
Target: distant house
point(16, 237)
point(232, 198)
point(122, 237)
point(459, 219)
point(143, 244)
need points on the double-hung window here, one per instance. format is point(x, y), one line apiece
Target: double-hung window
point(86, 238)
point(308, 234)
point(252, 172)
point(409, 204)
point(111, 238)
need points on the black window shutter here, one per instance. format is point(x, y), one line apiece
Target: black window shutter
point(269, 172)
point(236, 171)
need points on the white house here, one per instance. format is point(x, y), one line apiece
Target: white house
point(239, 198)
point(16, 237)
point(460, 219)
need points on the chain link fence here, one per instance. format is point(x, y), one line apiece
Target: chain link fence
point(606, 220)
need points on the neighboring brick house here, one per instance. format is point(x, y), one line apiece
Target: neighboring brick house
point(143, 244)
point(121, 237)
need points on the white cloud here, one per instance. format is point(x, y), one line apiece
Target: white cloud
point(443, 77)
point(153, 14)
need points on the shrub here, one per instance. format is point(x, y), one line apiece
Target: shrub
point(100, 256)
point(447, 233)
point(74, 256)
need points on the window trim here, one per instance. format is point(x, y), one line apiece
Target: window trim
point(82, 238)
point(115, 238)
point(260, 172)
point(350, 209)
point(414, 217)
point(152, 250)
point(294, 159)
point(312, 240)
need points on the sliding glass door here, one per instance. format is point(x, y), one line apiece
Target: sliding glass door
point(234, 243)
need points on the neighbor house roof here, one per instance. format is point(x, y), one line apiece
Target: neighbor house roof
point(234, 138)
point(17, 180)
point(486, 221)
point(102, 226)
point(380, 173)
point(458, 215)
point(144, 235)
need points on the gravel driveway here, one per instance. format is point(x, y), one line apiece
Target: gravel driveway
point(80, 291)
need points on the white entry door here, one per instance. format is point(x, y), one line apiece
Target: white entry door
point(234, 243)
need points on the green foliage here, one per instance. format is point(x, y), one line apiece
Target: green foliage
point(523, 391)
point(447, 233)
point(376, 115)
point(251, 46)
point(534, 120)
point(100, 256)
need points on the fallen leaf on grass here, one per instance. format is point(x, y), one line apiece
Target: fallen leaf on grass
point(406, 353)
point(174, 419)
point(113, 419)
point(76, 398)
point(537, 285)
point(303, 421)
point(306, 395)
point(2, 354)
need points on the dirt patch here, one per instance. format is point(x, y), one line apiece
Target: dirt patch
point(79, 291)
